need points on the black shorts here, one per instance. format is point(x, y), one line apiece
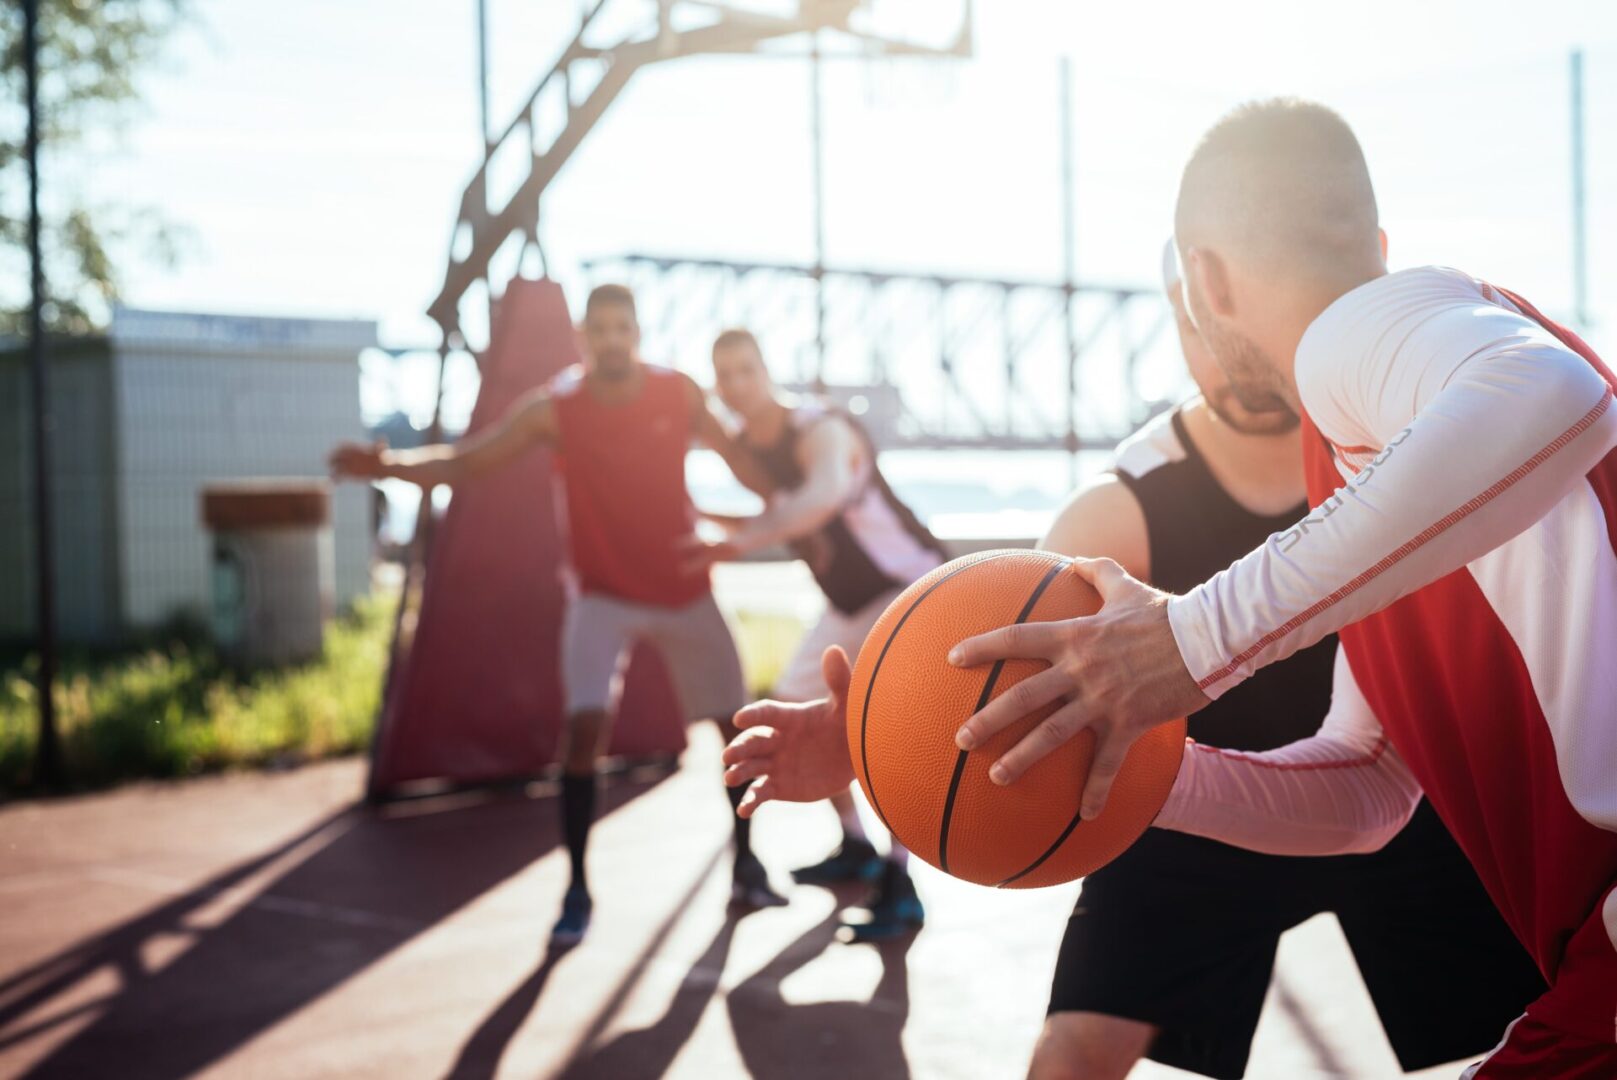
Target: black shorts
point(1180, 932)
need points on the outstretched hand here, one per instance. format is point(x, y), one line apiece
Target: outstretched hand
point(360, 461)
point(697, 556)
point(1119, 672)
point(792, 752)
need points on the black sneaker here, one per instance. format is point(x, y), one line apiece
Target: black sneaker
point(853, 860)
point(895, 909)
point(575, 917)
point(750, 885)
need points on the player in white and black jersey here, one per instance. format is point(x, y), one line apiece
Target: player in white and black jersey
point(836, 512)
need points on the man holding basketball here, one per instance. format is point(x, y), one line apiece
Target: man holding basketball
point(863, 546)
point(1460, 457)
point(621, 429)
point(1169, 951)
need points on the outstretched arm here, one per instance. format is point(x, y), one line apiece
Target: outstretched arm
point(799, 752)
point(1498, 425)
point(532, 419)
point(712, 434)
point(1341, 791)
point(1474, 442)
point(827, 454)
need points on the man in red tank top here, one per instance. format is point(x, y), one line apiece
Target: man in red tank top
point(620, 428)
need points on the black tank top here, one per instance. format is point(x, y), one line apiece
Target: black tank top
point(840, 553)
point(1195, 529)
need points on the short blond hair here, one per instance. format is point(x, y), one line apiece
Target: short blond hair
point(1284, 181)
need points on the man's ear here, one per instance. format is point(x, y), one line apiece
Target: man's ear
point(1211, 275)
point(1382, 233)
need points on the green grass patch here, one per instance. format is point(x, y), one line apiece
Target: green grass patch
point(176, 709)
point(766, 641)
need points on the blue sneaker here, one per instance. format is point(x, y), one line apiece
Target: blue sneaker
point(575, 917)
point(895, 910)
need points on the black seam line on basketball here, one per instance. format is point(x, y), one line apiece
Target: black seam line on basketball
point(1049, 851)
point(870, 687)
point(982, 702)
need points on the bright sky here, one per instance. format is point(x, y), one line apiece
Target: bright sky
point(316, 151)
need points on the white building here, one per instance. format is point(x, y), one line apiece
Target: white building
point(144, 418)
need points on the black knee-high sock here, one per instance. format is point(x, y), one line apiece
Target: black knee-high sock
point(577, 813)
point(743, 826)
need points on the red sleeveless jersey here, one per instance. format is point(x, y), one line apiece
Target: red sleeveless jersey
point(1448, 682)
point(628, 511)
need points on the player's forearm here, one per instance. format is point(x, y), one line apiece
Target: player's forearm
point(788, 518)
point(729, 521)
point(747, 470)
point(1318, 796)
point(427, 466)
point(1487, 457)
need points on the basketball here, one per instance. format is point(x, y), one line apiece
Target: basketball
point(907, 701)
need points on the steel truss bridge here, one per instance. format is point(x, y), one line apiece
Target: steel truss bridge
point(932, 359)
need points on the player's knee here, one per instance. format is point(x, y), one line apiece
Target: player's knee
point(1081, 1046)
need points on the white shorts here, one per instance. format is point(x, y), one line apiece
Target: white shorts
point(802, 681)
point(694, 641)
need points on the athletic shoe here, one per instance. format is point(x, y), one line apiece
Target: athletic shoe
point(575, 917)
point(853, 860)
point(750, 885)
point(895, 909)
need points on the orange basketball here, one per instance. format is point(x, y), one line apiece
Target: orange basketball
point(907, 701)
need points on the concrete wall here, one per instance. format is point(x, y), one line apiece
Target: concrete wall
point(143, 419)
point(204, 398)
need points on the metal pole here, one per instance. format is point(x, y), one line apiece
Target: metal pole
point(1580, 248)
point(817, 138)
point(416, 555)
point(482, 76)
point(48, 760)
point(1069, 256)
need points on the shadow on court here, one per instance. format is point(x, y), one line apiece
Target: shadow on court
point(821, 1038)
point(480, 1056)
point(276, 932)
point(649, 1051)
point(262, 926)
point(816, 1039)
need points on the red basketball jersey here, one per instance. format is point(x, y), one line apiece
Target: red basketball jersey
point(628, 510)
point(1446, 671)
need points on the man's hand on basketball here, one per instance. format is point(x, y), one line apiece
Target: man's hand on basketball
point(795, 753)
point(1117, 673)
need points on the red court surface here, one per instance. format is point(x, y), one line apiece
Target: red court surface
point(265, 926)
